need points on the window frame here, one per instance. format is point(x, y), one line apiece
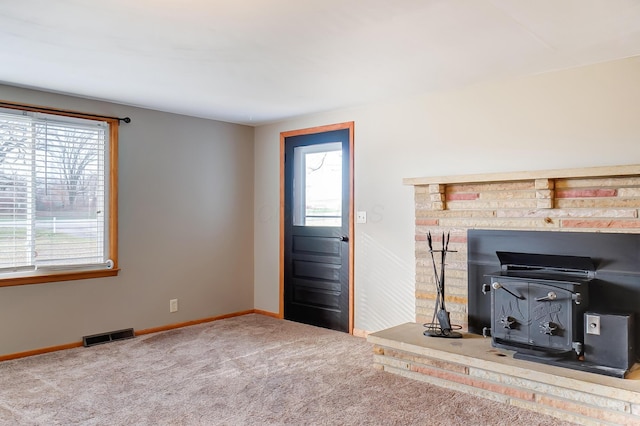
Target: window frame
point(47, 277)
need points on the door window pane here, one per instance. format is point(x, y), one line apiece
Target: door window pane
point(317, 185)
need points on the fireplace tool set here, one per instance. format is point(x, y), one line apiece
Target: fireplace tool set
point(440, 325)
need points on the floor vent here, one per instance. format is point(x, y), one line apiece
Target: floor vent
point(97, 339)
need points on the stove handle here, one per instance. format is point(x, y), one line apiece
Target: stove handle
point(486, 288)
point(549, 297)
point(496, 285)
point(576, 297)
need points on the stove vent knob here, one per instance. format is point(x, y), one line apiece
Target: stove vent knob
point(507, 322)
point(548, 328)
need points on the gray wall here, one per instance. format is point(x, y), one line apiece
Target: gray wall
point(580, 117)
point(186, 232)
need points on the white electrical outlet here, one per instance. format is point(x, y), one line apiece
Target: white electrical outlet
point(173, 305)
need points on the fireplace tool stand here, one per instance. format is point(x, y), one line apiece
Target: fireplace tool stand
point(440, 325)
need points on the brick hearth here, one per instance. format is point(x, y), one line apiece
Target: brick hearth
point(472, 366)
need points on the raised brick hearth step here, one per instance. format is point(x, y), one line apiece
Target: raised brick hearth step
point(472, 366)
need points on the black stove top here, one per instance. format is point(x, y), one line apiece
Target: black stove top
point(543, 275)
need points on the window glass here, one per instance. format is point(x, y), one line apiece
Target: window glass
point(54, 193)
point(318, 185)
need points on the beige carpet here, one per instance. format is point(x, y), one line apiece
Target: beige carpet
point(249, 370)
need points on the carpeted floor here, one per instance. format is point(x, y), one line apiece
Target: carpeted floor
point(249, 370)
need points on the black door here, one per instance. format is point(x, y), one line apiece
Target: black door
point(316, 229)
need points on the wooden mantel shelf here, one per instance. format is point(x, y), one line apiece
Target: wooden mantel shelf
point(585, 172)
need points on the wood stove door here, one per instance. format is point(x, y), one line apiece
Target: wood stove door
point(510, 311)
point(532, 314)
point(550, 317)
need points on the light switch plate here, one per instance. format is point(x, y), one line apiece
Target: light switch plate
point(361, 217)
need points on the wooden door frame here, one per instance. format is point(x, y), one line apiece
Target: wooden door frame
point(308, 131)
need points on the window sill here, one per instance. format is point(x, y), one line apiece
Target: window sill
point(62, 276)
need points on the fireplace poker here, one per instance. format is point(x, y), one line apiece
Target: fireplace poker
point(443, 315)
point(435, 272)
point(433, 260)
point(443, 256)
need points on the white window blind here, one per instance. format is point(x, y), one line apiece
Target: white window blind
point(53, 192)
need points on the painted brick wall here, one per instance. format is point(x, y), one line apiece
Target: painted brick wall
point(601, 204)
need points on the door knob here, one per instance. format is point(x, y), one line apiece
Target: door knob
point(344, 238)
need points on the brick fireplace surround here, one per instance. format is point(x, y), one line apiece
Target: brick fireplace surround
point(599, 199)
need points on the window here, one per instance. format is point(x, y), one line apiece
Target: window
point(58, 196)
point(317, 185)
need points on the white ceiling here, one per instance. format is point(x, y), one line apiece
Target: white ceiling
point(258, 61)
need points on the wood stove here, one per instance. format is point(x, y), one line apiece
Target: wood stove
point(546, 296)
point(538, 302)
